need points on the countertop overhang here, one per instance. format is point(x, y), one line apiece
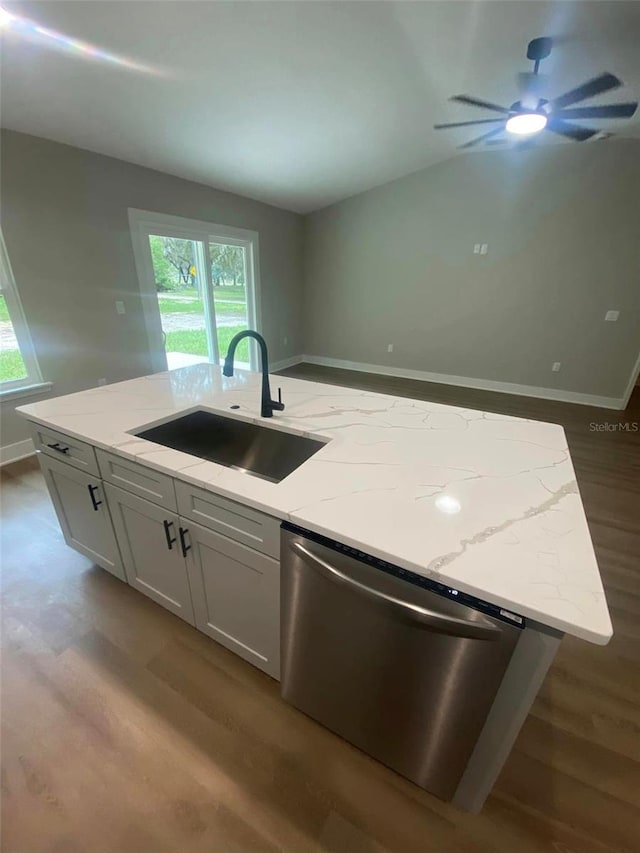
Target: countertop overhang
point(482, 502)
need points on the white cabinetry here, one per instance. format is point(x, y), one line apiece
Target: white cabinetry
point(221, 574)
point(150, 543)
point(70, 450)
point(83, 513)
point(236, 596)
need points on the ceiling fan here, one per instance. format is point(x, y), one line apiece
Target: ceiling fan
point(532, 113)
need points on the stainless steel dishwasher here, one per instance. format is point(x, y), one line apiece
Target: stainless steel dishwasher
point(401, 666)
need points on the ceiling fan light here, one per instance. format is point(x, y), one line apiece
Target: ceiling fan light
point(525, 123)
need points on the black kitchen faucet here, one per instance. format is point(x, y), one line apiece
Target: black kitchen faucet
point(267, 405)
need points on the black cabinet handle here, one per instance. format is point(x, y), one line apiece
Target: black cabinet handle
point(167, 533)
point(183, 541)
point(92, 491)
point(58, 447)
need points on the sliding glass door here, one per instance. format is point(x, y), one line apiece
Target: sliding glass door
point(229, 287)
point(199, 289)
point(188, 329)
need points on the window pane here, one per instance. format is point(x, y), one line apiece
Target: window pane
point(11, 363)
point(228, 275)
point(178, 283)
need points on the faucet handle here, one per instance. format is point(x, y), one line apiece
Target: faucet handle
point(278, 405)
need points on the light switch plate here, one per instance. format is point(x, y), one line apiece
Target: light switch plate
point(120, 309)
point(611, 316)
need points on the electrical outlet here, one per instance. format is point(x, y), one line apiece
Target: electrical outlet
point(389, 347)
point(611, 316)
point(555, 367)
point(484, 248)
point(120, 309)
point(102, 381)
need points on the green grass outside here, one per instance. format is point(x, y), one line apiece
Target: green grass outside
point(176, 306)
point(237, 293)
point(11, 365)
point(194, 342)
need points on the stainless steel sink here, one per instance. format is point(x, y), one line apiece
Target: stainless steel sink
point(268, 453)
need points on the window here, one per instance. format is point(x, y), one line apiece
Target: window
point(18, 364)
point(199, 284)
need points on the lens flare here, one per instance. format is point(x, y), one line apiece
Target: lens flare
point(5, 17)
point(59, 41)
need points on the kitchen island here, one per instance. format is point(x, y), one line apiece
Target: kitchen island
point(483, 503)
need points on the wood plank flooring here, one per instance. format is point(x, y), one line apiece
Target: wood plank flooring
point(124, 729)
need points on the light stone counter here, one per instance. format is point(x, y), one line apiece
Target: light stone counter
point(484, 503)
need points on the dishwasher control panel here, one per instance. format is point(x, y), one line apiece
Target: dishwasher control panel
point(494, 610)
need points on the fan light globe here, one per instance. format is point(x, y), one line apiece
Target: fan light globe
point(524, 123)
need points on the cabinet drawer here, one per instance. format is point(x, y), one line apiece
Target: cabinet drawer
point(234, 520)
point(61, 446)
point(138, 479)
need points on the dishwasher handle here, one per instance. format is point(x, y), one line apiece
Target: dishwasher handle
point(438, 622)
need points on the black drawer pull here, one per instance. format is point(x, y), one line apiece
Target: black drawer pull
point(92, 491)
point(167, 533)
point(58, 447)
point(183, 541)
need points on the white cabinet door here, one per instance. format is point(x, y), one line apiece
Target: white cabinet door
point(83, 513)
point(236, 596)
point(150, 543)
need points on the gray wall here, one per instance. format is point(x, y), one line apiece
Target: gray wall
point(392, 265)
point(396, 265)
point(64, 218)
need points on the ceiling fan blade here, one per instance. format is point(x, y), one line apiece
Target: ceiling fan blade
point(466, 123)
point(571, 131)
point(604, 83)
point(605, 111)
point(513, 144)
point(476, 102)
point(478, 139)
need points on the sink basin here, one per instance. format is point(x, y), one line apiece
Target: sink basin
point(264, 452)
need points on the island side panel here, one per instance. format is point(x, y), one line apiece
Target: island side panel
point(527, 669)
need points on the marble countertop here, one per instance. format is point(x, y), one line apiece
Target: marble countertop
point(482, 502)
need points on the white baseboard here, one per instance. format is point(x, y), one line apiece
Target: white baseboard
point(469, 382)
point(285, 362)
point(17, 450)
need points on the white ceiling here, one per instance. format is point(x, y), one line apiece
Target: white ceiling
point(297, 103)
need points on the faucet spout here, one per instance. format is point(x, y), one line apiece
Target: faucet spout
point(267, 405)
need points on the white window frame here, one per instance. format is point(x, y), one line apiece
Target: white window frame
point(33, 380)
point(144, 223)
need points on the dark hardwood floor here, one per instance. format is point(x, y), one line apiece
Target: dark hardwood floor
point(124, 729)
